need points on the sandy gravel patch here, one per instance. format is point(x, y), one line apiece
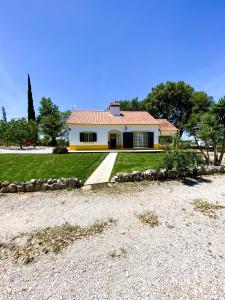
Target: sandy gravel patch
point(181, 258)
point(30, 149)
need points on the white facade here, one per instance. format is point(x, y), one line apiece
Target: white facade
point(104, 132)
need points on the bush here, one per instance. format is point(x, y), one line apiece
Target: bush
point(60, 150)
point(63, 142)
point(184, 162)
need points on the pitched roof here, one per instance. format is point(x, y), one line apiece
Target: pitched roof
point(91, 117)
point(166, 125)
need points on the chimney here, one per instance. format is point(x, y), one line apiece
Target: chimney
point(114, 109)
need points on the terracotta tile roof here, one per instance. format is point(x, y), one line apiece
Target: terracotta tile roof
point(91, 117)
point(166, 125)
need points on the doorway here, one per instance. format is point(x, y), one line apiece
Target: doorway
point(113, 141)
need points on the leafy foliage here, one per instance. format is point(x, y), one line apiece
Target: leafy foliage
point(18, 131)
point(183, 161)
point(176, 101)
point(60, 150)
point(50, 120)
point(131, 105)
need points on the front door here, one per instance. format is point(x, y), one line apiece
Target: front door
point(113, 141)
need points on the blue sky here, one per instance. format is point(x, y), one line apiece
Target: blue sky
point(91, 52)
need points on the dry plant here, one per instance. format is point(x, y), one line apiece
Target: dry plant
point(50, 239)
point(208, 209)
point(149, 217)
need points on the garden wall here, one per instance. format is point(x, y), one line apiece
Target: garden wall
point(163, 174)
point(36, 185)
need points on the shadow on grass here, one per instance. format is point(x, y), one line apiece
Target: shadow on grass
point(195, 181)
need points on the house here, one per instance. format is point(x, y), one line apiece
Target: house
point(115, 129)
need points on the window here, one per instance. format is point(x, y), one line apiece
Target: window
point(140, 140)
point(88, 137)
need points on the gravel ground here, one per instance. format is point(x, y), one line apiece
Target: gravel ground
point(182, 258)
point(30, 149)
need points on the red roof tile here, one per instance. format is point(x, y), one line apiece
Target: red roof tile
point(91, 117)
point(166, 125)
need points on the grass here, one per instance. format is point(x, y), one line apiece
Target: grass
point(49, 240)
point(208, 209)
point(128, 162)
point(24, 167)
point(149, 218)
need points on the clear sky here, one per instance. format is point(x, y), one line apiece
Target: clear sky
point(90, 52)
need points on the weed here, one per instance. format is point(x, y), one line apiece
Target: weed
point(208, 209)
point(149, 217)
point(118, 253)
point(50, 239)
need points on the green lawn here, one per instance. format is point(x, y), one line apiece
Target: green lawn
point(128, 162)
point(24, 167)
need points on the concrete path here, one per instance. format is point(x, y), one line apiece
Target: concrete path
point(103, 172)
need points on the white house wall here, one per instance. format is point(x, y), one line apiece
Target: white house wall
point(103, 131)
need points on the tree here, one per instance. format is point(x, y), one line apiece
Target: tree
point(131, 105)
point(5, 133)
point(3, 114)
point(210, 131)
point(176, 101)
point(50, 119)
point(65, 129)
point(31, 112)
point(21, 131)
point(219, 110)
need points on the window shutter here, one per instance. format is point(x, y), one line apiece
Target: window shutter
point(150, 139)
point(81, 137)
point(94, 136)
point(128, 139)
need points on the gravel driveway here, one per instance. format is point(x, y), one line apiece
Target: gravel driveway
point(182, 258)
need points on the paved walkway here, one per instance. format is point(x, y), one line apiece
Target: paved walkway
point(103, 172)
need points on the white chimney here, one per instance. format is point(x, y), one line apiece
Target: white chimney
point(114, 109)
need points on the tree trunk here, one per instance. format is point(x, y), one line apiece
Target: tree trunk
point(222, 150)
point(199, 148)
point(53, 142)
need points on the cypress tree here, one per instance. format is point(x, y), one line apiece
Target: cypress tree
point(31, 112)
point(4, 114)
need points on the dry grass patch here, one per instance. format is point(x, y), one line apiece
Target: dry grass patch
point(149, 217)
point(121, 252)
point(207, 208)
point(26, 247)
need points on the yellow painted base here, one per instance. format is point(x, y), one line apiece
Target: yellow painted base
point(104, 147)
point(88, 147)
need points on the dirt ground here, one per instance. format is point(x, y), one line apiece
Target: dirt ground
point(181, 258)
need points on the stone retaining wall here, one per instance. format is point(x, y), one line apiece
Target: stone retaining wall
point(163, 174)
point(36, 185)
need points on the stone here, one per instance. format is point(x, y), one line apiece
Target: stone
point(12, 188)
point(62, 186)
point(46, 187)
point(29, 187)
point(4, 189)
point(38, 187)
point(54, 186)
point(49, 180)
point(33, 181)
point(5, 183)
point(20, 188)
point(87, 187)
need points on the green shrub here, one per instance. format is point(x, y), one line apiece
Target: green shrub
point(60, 150)
point(63, 142)
point(183, 161)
